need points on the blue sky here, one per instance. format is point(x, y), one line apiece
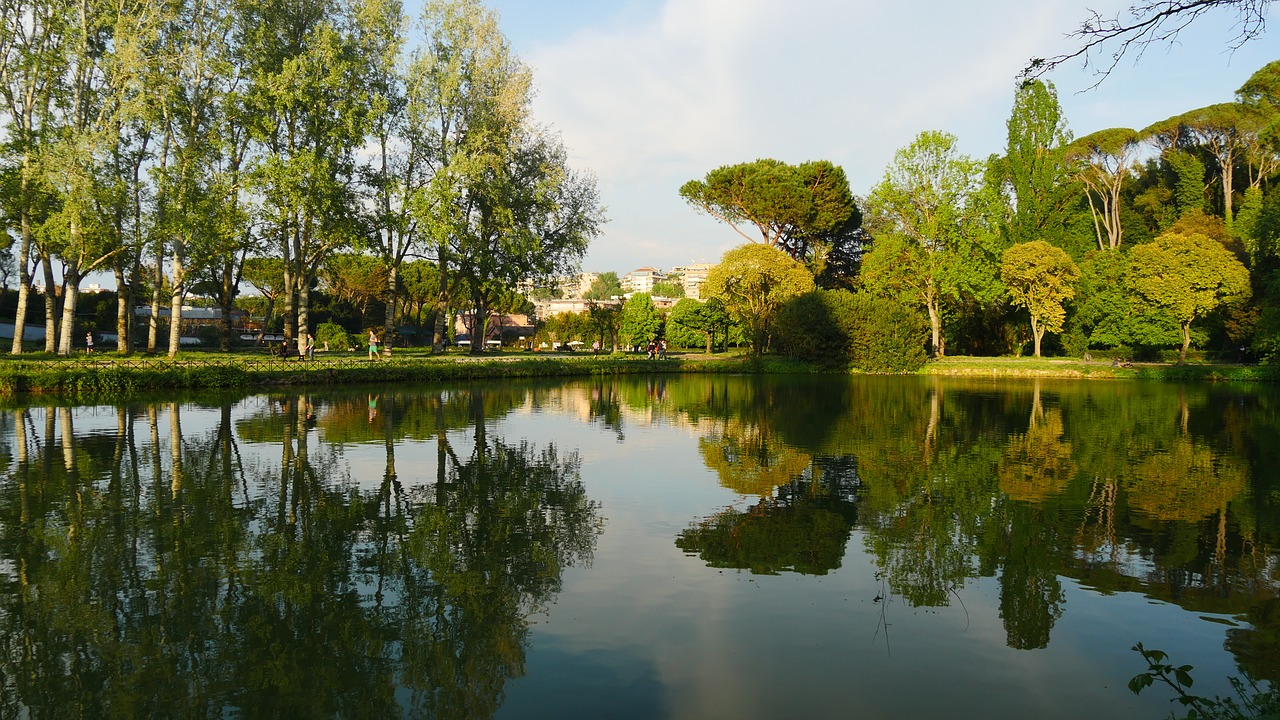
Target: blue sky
point(648, 94)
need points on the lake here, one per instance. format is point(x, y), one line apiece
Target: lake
point(642, 547)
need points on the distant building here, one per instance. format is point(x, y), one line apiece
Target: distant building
point(501, 326)
point(584, 283)
point(691, 278)
point(193, 316)
point(642, 280)
point(544, 309)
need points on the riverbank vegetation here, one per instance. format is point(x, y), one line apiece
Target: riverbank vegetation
point(1126, 242)
point(367, 191)
point(103, 375)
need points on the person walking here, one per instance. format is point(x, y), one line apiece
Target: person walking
point(88, 343)
point(373, 347)
point(311, 347)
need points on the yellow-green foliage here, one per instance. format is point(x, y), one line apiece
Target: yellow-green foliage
point(1040, 277)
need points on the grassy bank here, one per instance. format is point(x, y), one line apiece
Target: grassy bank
point(105, 375)
point(1098, 369)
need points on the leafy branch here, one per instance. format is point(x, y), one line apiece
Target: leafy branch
point(1254, 702)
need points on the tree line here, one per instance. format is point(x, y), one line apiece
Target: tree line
point(1122, 241)
point(189, 146)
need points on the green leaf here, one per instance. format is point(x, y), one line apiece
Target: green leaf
point(1138, 683)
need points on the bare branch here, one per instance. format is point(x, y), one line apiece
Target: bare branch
point(1146, 23)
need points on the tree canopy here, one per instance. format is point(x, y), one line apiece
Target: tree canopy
point(754, 281)
point(1039, 277)
point(806, 210)
point(1189, 276)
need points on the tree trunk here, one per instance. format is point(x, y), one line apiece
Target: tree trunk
point(24, 255)
point(20, 318)
point(440, 335)
point(1037, 332)
point(1186, 342)
point(175, 322)
point(176, 295)
point(50, 307)
point(389, 324)
point(304, 308)
point(935, 328)
point(153, 327)
point(290, 280)
point(70, 291)
point(124, 302)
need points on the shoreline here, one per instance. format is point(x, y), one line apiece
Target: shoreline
point(105, 374)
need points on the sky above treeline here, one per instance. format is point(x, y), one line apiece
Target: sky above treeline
point(648, 94)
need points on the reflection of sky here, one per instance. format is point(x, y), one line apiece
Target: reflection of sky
point(646, 631)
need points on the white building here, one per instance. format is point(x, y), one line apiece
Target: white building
point(544, 309)
point(691, 278)
point(642, 280)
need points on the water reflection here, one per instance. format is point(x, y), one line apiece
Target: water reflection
point(158, 569)
point(1118, 486)
point(387, 551)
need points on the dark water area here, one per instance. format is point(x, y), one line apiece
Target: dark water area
point(667, 547)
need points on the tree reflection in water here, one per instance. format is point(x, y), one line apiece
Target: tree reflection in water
point(955, 480)
point(154, 571)
point(174, 559)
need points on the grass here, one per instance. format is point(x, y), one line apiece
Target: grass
point(106, 374)
point(1099, 369)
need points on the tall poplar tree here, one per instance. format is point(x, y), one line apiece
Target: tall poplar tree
point(307, 102)
point(935, 242)
point(1032, 174)
point(503, 206)
point(32, 58)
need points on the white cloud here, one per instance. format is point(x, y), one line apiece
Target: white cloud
point(684, 86)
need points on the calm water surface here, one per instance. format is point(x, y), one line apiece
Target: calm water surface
point(669, 547)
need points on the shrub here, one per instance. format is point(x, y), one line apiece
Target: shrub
point(886, 336)
point(872, 334)
point(809, 327)
point(333, 334)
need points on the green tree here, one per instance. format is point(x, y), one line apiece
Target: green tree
point(1102, 161)
point(640, 322)
point(197, 218)
point(1040, 277)
point(934, 218)
point(396, 177)
point(507, 209)
point(1221, 130)
point(504, 207)
point(1032, 173)
point(705, 319)
point(754, 282)
point(806, 210)
point(32, 38)
point(1189, 276)
point(606, 322)
point(605, 287)
point(668, 290)
point(355, 278)
point(266, 275)
point(308, 103)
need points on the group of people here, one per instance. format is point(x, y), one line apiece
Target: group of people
point(306, 348)
point(658, 348)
